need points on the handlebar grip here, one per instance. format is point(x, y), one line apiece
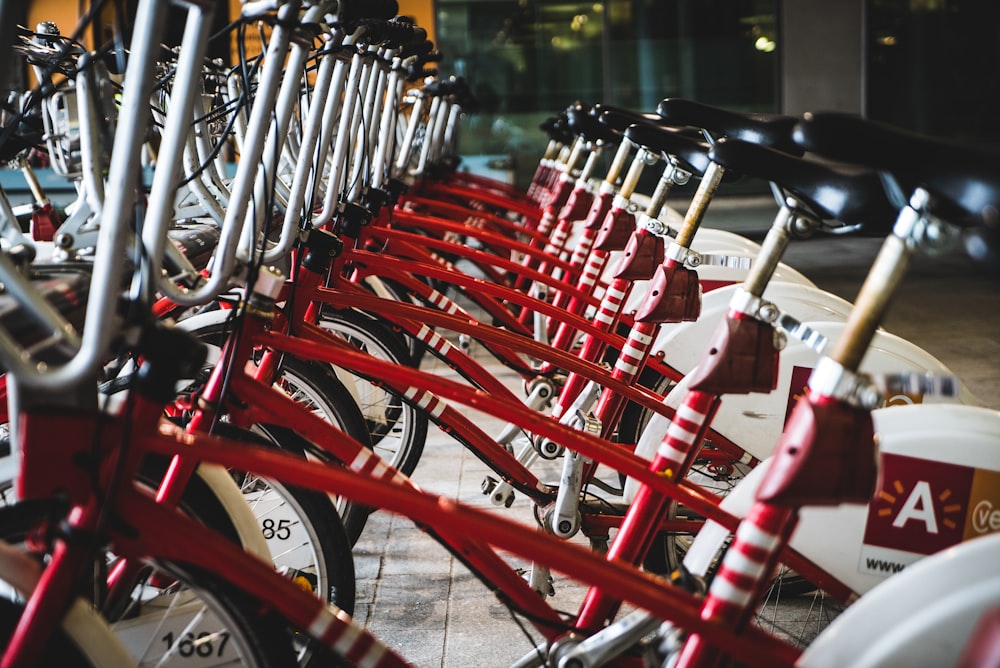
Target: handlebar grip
point(355, 10)
point(401, 33)
point(416, 48)
point(419, 36)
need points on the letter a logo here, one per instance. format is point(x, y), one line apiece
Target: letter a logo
point(919, 506)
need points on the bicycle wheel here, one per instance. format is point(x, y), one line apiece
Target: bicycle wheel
point(199, 620)
point(60, 651)
point(316, 387)
point(304, 535)
point(791, 607)
point(173, 615)
point(668, 549)
point(794, 609)
point(398, 430)
point(307, 540)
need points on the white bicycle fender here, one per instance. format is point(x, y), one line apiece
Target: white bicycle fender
point(922, 617)
point(229, 495)
point(81, 624)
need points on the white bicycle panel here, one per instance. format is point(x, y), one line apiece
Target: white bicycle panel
point(922, 617)
point(684, 344)
point(755, 421)
point(941, 483)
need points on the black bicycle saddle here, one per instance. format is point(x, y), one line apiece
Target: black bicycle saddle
point(691, 154)
point(966, 181)
point(619, 118)
point(580, 120)
point(848, 193)
point(774, 130)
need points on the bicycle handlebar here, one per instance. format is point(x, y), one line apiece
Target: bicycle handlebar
point(352, 11)
point(417, 48)
point(113, 236)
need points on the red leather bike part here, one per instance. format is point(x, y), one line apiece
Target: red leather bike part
point(616, 230)
point(44, 223)
point(560, 195)
point(823, 458)
point(741, 359)
point(643, 254)
point(674, 296)
point(599, 211)
point(577, 206)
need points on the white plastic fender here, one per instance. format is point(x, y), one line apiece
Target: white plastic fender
point(709, 242)
point(81, 623)
point(235, 503)
point(941, 483)
point(923, 617)
point(219, 316)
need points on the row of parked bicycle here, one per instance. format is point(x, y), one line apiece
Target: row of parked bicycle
point(213, 377)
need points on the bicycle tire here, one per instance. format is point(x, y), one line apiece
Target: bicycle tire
point(327, 539)
point(316, 386)
point(200, 606)
point(338, 408)
point(398, 430)
point(263, 635)
point(322, 555)
point(60, 651)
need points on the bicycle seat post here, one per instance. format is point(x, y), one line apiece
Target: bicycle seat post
point(826, 453)
point(914, 227)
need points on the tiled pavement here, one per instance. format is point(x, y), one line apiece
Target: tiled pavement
point(423, 602)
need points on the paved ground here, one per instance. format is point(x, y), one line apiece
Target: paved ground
point(423, 602)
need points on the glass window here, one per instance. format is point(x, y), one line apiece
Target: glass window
point(715, 51)
point(934, 66)
point(528, 59)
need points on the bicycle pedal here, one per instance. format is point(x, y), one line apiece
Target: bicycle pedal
point(489, 484)
point(548, 449)
point(500, 493)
